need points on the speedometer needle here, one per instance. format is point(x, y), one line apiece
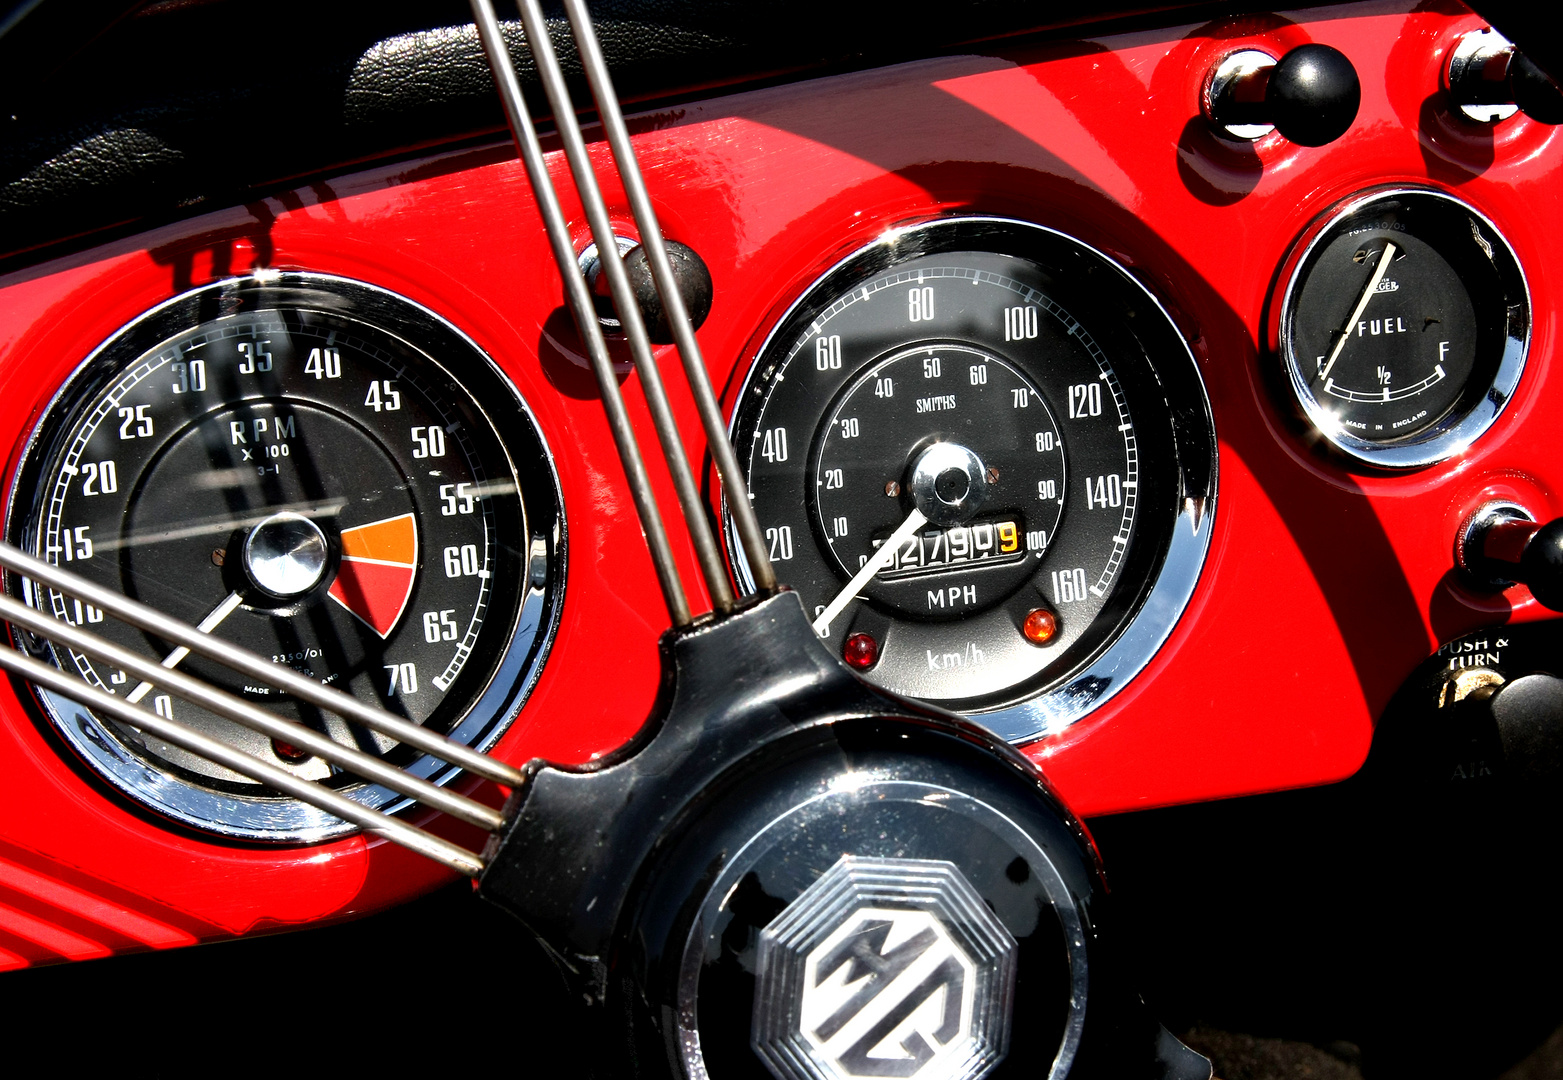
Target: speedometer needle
point(914, 521)
point(1367, 294)
point(206, 625)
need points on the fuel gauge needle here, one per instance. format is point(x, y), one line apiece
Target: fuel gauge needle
point(206, 625)
point(1367, 294)
point(914, 521)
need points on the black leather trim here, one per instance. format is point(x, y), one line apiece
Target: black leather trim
point(193, 102)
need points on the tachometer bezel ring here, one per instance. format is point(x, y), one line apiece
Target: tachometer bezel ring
point(529, 631)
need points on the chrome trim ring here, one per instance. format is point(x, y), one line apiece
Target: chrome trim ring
point(1461, 426)
point(109, 750)
point(1146, 628)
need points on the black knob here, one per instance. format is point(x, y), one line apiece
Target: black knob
point(1541, 565)
point(1488, 77)
point(1528, 714)
point(694, 285)
point(1534, 91)
point(689, 272)
point(1501, 545)
point(1310, 95)
point(1313, 95)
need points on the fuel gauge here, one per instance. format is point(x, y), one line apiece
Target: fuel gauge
point(1404, 326)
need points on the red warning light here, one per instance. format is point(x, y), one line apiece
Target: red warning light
point(288, 752)
point(1040, 626)
point(860, 651)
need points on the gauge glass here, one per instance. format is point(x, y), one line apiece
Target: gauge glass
point(1006, 382)
point(1404, 326)
point(303, 466)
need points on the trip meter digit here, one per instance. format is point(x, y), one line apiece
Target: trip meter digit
point(996, 402)
point(312, 469)
point(1403, 326)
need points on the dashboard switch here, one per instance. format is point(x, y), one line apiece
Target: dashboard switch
point(1310, 95)
point(1500, 544)
point(1489, 80)
point(689, 270)
point(1528, 714)
point(694, 285)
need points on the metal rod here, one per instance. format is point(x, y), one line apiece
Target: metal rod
point(568, 127)
point(597, 76)
point(243, 712)
point(257, 667)
point(50, 677)
point(581, 306)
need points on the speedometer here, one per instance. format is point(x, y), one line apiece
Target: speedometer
point(313, 469)
point(970, 447)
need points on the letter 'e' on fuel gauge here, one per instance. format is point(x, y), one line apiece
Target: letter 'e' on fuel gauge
point(1403, 326)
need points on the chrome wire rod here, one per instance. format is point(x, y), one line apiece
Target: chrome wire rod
point(708, 553)
point(232, 707)
point(745, 523)
point(170, 731)
point(582, 308)
point(256, 667)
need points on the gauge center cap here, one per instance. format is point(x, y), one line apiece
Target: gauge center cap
point(949, 483)
point(285, 554)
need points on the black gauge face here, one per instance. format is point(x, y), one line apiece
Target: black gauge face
point(1404, 327)
point(899, 405)
point(1002, 383)
point(303, 468)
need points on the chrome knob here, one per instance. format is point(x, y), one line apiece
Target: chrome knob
point(285, 555)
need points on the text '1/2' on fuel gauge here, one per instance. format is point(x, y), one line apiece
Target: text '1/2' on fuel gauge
point(1403, 326)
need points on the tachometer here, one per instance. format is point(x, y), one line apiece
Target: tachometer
point(969, 446)
point(313, 469)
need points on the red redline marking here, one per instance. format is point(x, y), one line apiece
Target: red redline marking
point(363, 592)
point(376, 594)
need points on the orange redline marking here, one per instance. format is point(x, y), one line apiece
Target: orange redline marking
point(394, 540)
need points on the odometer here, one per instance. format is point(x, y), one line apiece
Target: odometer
point(1034, 409)
point(311, 469)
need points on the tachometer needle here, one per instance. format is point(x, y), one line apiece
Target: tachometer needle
point(206, 625)
point(1367, 294)
point(914, 521)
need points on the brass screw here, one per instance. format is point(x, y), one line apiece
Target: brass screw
point(892, 489)
point(219, 557)
point(993, 474)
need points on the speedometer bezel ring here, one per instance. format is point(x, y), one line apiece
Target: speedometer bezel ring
point(1160, 601)
point(529, 630)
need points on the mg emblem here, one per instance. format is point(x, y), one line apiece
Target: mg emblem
point(887, 993)
point(884, 968)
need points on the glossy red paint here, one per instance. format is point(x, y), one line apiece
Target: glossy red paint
point(1324, 586)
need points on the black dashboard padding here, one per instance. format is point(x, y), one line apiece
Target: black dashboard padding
point(191, 102)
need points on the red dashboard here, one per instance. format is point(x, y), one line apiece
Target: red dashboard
point(1325, 584)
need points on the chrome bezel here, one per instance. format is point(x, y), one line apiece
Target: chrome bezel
point(1453, 433)
point(540, 573)
point(1145, 629)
